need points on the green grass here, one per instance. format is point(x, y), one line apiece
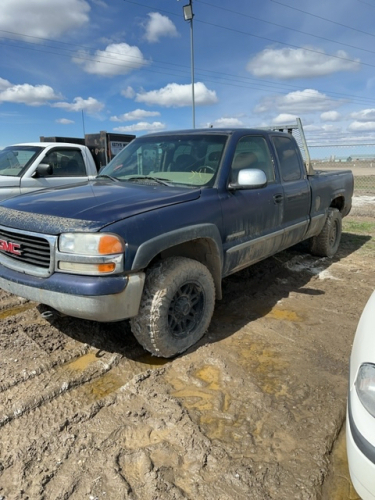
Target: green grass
point(358, 226)
point(359, 235)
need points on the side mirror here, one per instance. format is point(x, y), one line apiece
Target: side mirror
point(249, 178)
point(43, 170)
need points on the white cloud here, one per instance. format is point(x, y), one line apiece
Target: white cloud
point(4, 84)
point(322, 134)
point(362, 126)
point(332, 129)
point(290, 63)
point(129, 92)
point(158, 26)
point(44, 19)
point(141, 127)
point(364, 115)
point(330, 116)
point(298, 102)
point(31, 95)
point(64, 121)
point(226, 122)
point(312, 128)
point(175, 95)
point(284, 118)
point(90, 105)
point(137, 114)
point(116, 59)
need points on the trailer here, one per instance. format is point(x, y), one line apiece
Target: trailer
point(104, 146)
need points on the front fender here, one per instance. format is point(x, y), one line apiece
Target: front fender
point(149, 249)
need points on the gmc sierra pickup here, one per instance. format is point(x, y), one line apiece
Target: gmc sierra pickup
point(154, 234)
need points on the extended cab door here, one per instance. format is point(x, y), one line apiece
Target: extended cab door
point(252, 217)
point(67, 166)
point(296, 190)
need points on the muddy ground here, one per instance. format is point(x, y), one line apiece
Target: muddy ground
point(251, 412)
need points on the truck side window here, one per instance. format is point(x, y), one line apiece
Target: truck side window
point(289, 158)
point(66, 163)
point(252, 152)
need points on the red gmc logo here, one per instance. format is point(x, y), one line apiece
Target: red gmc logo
point(10, 247)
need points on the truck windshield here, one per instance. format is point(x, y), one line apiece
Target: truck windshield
point(176, 159)
point(14, 159)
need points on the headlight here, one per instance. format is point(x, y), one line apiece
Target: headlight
point(365, 386)
point(90, 253)
point(91, 244)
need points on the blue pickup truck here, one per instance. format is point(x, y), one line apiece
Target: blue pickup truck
point(154, 234)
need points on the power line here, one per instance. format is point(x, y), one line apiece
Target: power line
point(287, 44)
point(323, 18)
point(242, 14)
point(370, 4)
point(229, 29)
point(182, 71)
point(247, 81)
point(263, 37)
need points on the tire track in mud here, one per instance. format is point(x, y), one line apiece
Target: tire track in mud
point(33, 392)
point(55, 424)
point(52, 381)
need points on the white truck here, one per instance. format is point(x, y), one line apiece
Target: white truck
point(40, 165)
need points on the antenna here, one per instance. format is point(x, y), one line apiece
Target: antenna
point(83, 125)
point(84, 137)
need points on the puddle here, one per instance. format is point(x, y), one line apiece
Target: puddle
point(209, 397)
point(218, 406)
point(83, 362)
point(284, 315)
point(120, 375)
point(13, 311)
point(115, 378)
point(266, 365)
point(107, 384)
point(337, 485)
point(152, 361)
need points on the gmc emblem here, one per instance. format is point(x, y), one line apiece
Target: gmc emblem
point(10, 247)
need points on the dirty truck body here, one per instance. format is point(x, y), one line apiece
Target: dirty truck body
point(152, 237)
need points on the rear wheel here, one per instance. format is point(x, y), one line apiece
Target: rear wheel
point(326, 243)
point(176, 307)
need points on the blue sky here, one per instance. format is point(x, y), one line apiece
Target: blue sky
point(69, 66)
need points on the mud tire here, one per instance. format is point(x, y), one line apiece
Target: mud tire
point(176, 307)
point(326, 243)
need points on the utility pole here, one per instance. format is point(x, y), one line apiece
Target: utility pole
point(188, 16)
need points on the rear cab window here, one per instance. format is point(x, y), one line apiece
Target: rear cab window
point(290, 161)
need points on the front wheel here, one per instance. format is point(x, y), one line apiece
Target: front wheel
point(326, 243)
point(176, 307)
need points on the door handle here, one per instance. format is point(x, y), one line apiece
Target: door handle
point(278, 198)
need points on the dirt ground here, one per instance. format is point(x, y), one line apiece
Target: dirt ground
point(252, 412)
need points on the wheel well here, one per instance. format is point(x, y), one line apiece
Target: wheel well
point(203, 250)
point(338, 203)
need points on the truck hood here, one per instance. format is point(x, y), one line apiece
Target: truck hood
point(88, 207)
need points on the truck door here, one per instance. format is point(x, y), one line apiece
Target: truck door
point(252, 217)
point(296, 190)
point(67, 166)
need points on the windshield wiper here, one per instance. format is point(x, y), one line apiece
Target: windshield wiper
point(149, 177)
point(106, 176)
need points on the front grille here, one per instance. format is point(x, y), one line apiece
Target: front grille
point(35, 249)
